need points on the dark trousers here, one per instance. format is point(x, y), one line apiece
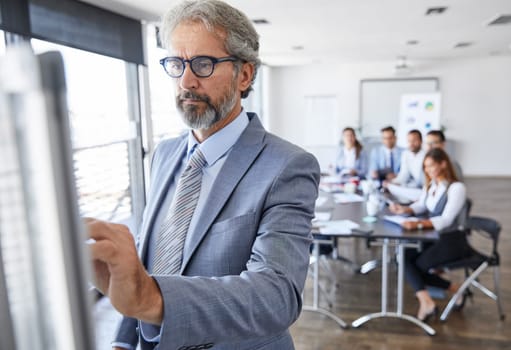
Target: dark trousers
point(450, 247)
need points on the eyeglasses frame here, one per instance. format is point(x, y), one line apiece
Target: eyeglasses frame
point(215, 61)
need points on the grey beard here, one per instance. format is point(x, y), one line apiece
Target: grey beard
point(211, 115)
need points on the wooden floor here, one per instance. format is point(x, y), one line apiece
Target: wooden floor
point(477, 326)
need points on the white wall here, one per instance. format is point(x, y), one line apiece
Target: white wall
point(476, 105)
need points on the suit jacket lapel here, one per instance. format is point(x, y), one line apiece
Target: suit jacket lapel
point(159, 189)
point(239, 160)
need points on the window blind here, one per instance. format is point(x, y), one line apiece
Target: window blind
point(75, 24)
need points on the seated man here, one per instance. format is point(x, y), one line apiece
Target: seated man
point(385, 160)
point(411, 173)
point(436, 139)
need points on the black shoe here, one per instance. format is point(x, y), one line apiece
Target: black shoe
point(431, 314)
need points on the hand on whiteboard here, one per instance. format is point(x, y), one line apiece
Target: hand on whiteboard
point(120, 275)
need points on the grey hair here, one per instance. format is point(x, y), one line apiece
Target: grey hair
point(241, 39)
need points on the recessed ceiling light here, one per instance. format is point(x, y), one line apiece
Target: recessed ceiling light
point(260, 21)
point(463, 44)
point(412, 42)
point(500, 19)
point(297, 47)
point(435, 10)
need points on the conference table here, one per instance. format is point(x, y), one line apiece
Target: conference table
point(384, 234)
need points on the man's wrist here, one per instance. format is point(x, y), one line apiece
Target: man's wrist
point(151, 307)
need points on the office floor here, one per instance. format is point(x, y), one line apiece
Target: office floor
point(476, 327)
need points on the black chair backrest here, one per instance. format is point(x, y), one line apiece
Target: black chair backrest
point(487, 227)
point(464, 214)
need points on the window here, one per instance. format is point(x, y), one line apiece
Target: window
point(104, 134)
point(166, 121)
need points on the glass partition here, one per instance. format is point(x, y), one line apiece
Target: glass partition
point(44, 272)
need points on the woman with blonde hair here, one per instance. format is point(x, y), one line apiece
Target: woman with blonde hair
point(443, 200)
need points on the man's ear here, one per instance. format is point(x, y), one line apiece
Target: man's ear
point(245, 76)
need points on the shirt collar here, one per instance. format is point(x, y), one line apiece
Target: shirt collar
point(438, 185)
point(215, 146)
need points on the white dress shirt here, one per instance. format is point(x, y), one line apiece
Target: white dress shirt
point(349, 160)
point(411, 173)
point(456, 197)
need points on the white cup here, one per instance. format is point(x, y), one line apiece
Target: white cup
point(372, 208)
point(367, 186)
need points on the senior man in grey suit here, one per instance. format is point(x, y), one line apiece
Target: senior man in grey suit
point(224, 242)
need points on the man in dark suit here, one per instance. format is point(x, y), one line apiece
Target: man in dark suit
point(224, 241)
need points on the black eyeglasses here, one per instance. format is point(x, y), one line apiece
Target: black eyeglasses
point(201, 66)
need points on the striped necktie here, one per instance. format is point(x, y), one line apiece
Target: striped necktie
point(172, 235)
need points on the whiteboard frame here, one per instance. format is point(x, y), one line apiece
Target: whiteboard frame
point(435, 80)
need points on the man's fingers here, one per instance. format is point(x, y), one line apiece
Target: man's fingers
point(102, 250)
point(100, 230)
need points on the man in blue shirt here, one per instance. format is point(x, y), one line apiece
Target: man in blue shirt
point(385, 160)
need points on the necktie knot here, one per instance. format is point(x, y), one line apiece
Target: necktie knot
point(197, 160)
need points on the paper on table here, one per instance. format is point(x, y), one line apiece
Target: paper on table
point(337, 227)
point(322, 216)
point(347, 198)
point(330, 188)
point(398, 219)
point(331, 179)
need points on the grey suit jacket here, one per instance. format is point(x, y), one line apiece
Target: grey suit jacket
point(241, 280)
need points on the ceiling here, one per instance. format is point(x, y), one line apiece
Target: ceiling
point(320, 31)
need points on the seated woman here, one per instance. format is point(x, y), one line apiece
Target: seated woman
point(352, 160)
point(443, 200)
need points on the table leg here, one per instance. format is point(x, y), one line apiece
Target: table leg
point(384, 285)
point(315, 297)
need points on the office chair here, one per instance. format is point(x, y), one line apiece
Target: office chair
point(477, 262)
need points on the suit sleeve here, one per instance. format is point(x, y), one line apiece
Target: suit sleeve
point(265, 299)
point(127, 335)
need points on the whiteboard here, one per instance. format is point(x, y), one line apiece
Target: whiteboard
point(380, 101)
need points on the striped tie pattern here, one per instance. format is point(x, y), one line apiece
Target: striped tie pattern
point(172, 235)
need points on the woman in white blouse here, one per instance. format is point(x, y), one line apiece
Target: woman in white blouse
point(352, 160)
point(443, 201)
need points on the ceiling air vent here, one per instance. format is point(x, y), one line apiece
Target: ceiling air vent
point(260, 21)
point(500, 19)
point(435, 10)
